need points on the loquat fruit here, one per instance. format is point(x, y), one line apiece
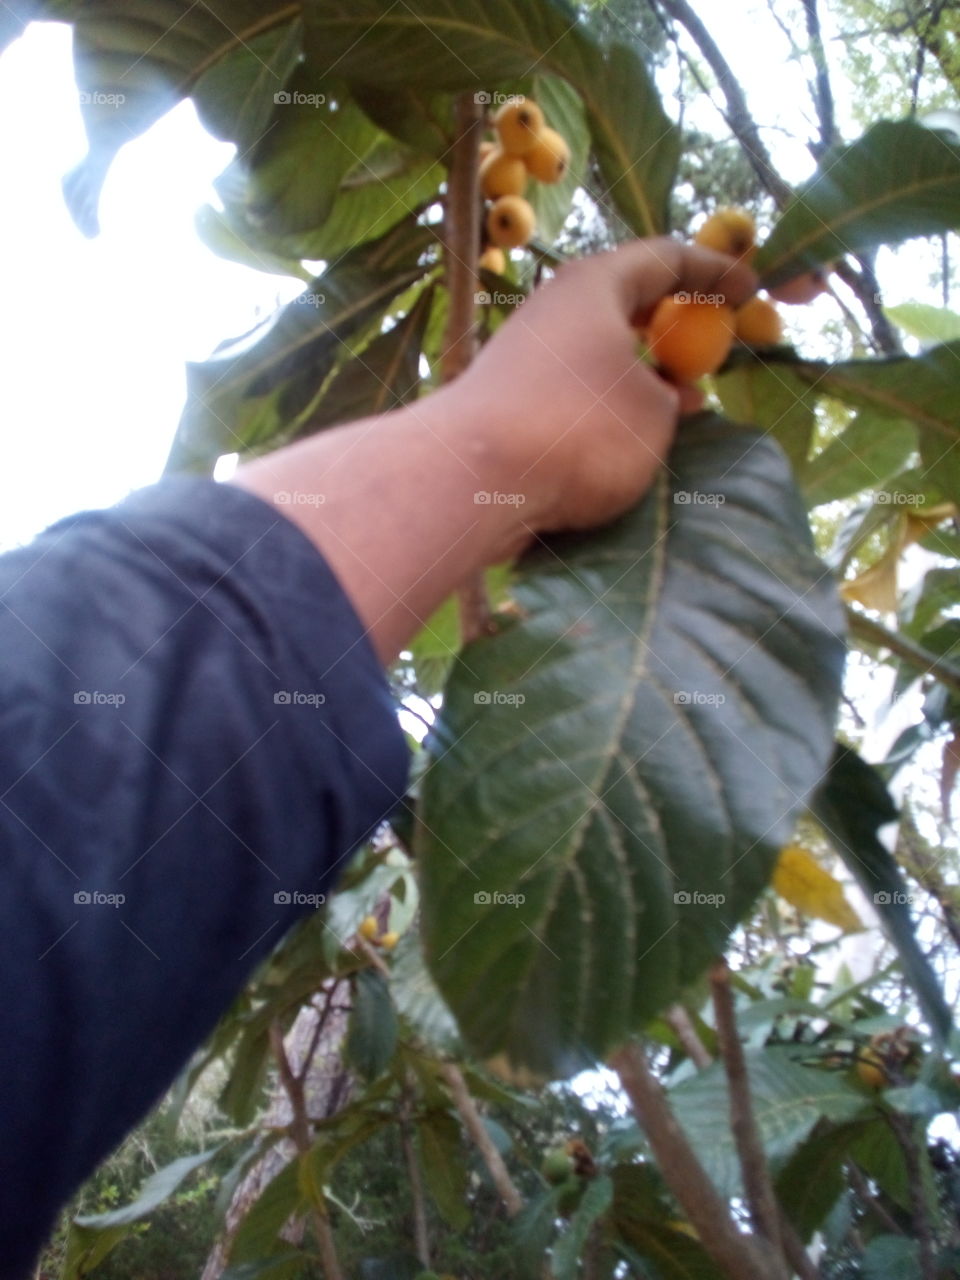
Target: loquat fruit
point(388, 940)
point(557, 1166)
point(689, 338)
point(518, 124)
point(502, 175)
point(369, 928)
point(510, 222)
point(493, 259)
point(485, 148)
point(731, 231)
point(758, 323)
point(870, 1069)
point(801, 289)
point(549, 157)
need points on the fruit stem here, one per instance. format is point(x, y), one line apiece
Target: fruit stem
point(461, 241)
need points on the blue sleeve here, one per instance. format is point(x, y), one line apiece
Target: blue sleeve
point(195, 730)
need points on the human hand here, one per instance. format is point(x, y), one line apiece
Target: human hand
point(578, 423)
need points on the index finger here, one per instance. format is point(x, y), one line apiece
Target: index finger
point(648, 270)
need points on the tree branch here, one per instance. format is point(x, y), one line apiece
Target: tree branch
point(421, 1237)
point(301, 1134)
point(461, 242)
point(904, 1130)
point(914, 655)
point(467, 1110)
point(737, 114)
point(758, 1188)
point(739, 1256)
point(823, 92)
point(678, 1018)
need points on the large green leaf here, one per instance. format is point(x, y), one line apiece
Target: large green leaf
point(236, 97)
point(384, 375)
point(851, 806)
point(892, 1258)
point(444, 1168)
point(258, 1235)
point(812, 1180)
point(866, 454)
point(464, 44)
point(899, 180)
point(771, 397)
point(929, 324)
point(627, 755)
point(923, 389)
point(372, 1031)
point(788, 1100)
point(157, 1188)
point(134, 62)
point(253, 390)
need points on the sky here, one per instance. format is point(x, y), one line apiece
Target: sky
point(95, 333)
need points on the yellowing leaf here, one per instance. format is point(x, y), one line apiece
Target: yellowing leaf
point(800, 879)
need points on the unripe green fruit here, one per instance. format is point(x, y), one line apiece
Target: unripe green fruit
point(557, 1166)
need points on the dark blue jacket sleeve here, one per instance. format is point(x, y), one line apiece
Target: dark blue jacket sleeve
point(194, 730)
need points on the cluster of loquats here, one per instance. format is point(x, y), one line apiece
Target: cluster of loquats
point(690, 337)
point(370, 931)
point(526, 147)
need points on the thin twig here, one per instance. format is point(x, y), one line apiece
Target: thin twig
point(300, 1132)
point(421, 1238)
point(741, 1257)
point(678, 1018)
point(823, 92)
point(757, 1185)
point(914, 655)
point(461, 242)
point(904, 1130)
point(863, 1193)
point(472, 1122)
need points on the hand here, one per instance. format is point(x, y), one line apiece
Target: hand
point(579, 424)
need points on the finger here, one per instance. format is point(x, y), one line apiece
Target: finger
point(648, 270)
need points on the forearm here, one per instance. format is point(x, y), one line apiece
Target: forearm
point(396, 505)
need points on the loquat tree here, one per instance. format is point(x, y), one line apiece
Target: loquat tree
point(637, 746)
